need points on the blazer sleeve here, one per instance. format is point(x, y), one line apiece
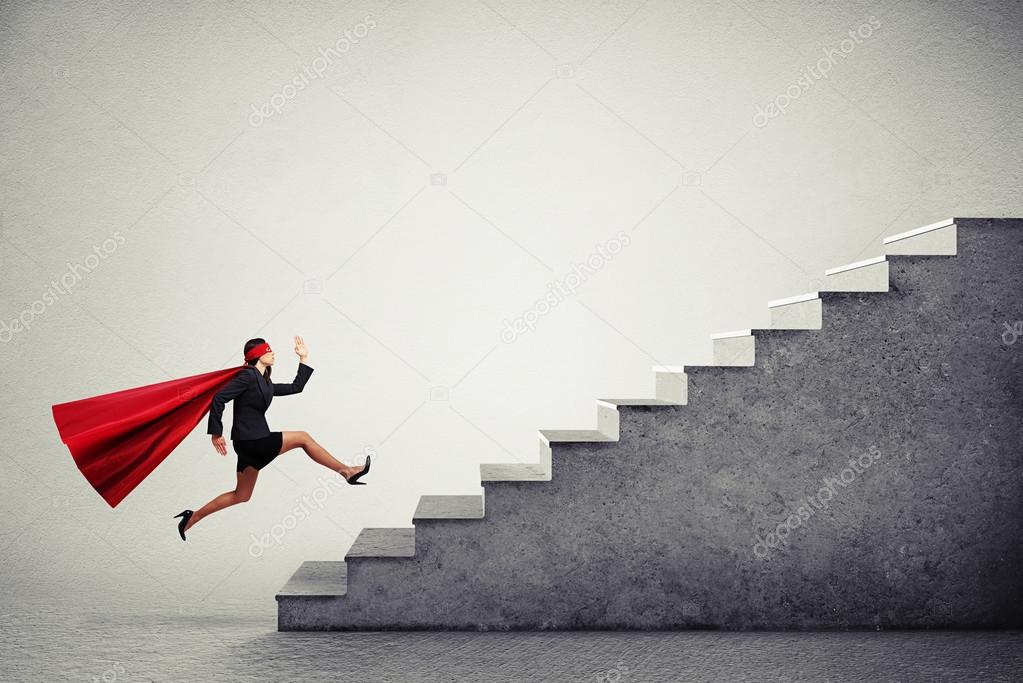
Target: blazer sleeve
point(238, 384)
point(297, 385)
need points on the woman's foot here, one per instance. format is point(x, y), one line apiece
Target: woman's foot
point(185, 515)
point(354, 479)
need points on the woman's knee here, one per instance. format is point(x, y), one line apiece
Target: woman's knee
point(292, 439)
point(242, 496)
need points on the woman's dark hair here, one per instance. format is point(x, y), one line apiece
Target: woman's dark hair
point(251, 344)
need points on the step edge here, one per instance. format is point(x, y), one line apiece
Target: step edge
point(423, 499)
point(616, 403)
point(797, 299)
point(944, 223)
point(732, 335)
point(339, 565)
point(406, 535)
point(604, 438)
point(856, 265)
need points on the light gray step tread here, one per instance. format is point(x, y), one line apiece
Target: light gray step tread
point(317, 579)
point(513, 471)
point(449, 507)
point(575, 435)
point(915, 232)
point(638, 402)
point(384, 542)
point(856, 265)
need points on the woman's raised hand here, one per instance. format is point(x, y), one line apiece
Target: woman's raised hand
point(300, 349)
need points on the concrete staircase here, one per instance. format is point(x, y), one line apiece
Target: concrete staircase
point(856, 465)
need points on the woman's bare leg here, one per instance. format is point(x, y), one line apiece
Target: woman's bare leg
point(317, 452)
point(242, 492)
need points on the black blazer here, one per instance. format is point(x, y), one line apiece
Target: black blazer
point(252, 395)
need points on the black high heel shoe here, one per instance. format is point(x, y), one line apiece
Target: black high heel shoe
point(185, 515)
point(355, 477)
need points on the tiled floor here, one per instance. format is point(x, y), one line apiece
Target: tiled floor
point(56, 647)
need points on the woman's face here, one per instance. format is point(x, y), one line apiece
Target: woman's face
point(267, 358)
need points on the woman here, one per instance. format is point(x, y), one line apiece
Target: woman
point(254, 443)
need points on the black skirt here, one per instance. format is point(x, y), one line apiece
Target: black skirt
point(258, 452)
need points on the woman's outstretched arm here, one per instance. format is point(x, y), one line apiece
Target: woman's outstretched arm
point(302, 376)
point(296, 386)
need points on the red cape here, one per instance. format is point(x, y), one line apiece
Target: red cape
point(117, 439)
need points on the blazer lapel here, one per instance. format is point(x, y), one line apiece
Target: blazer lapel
point(265, 390)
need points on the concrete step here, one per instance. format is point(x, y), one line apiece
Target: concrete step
point(608, 419)
point(671, 384)
point(801, 312)
point(734, 349)
point(869, 275)
point(671, 388)
point(936, 239)
point(514, 471)
point(574, 436)
point(316, 579)
point(520, 471)
point(450, 507)
point(541, 471)
point(384, 542)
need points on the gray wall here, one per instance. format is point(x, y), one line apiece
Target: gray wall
point(424, 186)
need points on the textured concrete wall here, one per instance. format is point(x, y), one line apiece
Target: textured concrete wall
point(920, 385)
